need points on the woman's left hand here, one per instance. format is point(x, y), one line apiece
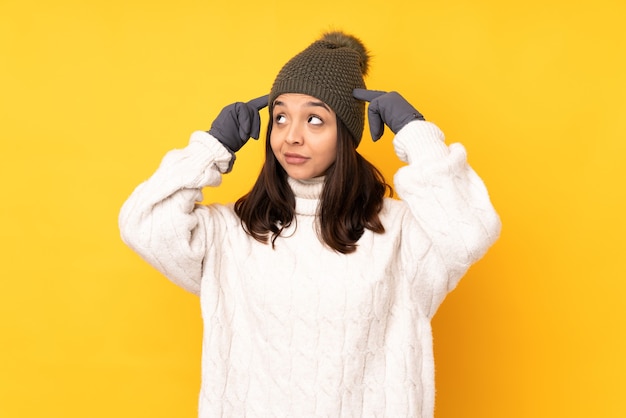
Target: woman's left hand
point(389, 109)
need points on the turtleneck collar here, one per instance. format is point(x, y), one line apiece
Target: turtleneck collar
point(307, 194)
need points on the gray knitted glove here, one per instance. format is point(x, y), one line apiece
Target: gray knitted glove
point(389, 109)
point(237, 122)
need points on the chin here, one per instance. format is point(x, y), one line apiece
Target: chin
point(301, 176)
point(301, 173)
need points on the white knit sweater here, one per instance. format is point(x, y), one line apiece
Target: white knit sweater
point(301, 330)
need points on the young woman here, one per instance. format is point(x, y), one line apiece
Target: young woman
point(316, 289)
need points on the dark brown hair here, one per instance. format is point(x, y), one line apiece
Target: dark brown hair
point(353, 195)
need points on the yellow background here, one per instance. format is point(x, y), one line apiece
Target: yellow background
point(92, 94)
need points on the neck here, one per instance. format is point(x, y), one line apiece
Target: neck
point(307, 194)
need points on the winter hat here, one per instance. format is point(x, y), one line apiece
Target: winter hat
point(329, 69)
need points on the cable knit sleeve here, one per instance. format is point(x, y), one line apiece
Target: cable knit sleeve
point(451, 207)
point(161, 219)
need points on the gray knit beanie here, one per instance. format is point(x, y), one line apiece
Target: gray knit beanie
point(329, 70)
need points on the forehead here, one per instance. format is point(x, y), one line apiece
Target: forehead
point(299, 100)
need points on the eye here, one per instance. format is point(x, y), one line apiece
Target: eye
point(279, 119)
point(315, 120)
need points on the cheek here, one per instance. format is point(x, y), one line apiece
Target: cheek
point(329, 149)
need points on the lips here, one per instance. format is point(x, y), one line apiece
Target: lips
point(295, 159)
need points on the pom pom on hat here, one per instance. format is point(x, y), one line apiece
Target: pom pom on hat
point(344, 40)
point(329, 69)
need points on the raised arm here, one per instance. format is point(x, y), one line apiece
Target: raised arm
point(162, 220)
point(449, 202)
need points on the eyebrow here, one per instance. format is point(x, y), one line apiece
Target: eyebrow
point(311, 103)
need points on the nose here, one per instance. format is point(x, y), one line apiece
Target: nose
point(294, 135)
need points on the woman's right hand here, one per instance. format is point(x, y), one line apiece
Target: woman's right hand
point(238, 122)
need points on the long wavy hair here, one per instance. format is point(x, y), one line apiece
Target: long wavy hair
point(352, 197)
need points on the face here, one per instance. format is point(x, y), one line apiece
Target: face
point(304, 135)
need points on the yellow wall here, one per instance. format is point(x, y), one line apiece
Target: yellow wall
point(92, 94)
